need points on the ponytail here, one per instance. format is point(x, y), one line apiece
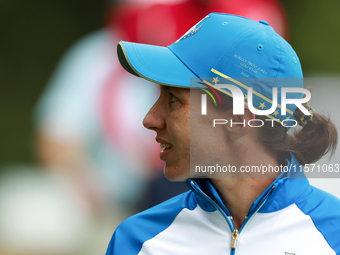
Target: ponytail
point(316, 138)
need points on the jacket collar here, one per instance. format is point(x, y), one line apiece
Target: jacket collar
point(286, 189)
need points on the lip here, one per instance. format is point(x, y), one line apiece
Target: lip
point(158, 140)
point(165, 151)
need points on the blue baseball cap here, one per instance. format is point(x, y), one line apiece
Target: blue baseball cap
point(221, 47)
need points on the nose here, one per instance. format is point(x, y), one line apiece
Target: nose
point(155, 119)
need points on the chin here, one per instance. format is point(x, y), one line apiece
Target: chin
point(176, 174)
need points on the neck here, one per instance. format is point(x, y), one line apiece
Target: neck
point(238, 190)
point(239, 194)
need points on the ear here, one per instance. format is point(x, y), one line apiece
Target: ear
point(238, 125)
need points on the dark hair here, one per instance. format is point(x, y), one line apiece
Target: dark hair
point(318, 137)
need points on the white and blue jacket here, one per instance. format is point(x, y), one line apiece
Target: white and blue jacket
point(289, 218)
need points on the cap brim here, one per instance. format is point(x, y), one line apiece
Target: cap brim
point(155, 63)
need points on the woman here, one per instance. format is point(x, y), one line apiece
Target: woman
point(260, 203)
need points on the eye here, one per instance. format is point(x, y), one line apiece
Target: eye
point(173, 98)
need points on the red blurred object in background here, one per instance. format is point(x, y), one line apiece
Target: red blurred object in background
point(163, 23)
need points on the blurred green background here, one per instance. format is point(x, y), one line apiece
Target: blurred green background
point(35, 34)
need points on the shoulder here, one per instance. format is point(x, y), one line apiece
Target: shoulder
point(134, 231)
point(99, 38)
point(96, 46)
point(316, 201)
point(324, 210)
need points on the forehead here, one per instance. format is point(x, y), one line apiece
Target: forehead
point(174, 89)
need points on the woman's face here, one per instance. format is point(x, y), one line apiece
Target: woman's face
point(170, 118)
point(179, 125)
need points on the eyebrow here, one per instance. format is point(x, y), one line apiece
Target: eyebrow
point(167, 88)
point(173, 89)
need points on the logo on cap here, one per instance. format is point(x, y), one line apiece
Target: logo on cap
point(192, 30)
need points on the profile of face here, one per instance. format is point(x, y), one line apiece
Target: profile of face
point(169, 117)
point(185, 136)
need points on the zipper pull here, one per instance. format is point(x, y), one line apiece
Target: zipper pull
point(234, 237)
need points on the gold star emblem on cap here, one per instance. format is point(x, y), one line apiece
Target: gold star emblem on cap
point(215, 80)
point(287, 118)
point(262, 105)
point(245, 97)
point(276, 113)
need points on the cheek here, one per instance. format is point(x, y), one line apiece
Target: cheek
point(208, 143)
point(181, 135)
point(179, 131)
point(179, 125)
